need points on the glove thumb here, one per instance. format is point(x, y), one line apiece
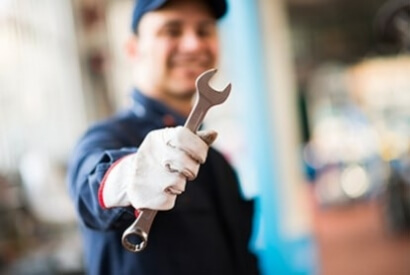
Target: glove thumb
point(208, 136)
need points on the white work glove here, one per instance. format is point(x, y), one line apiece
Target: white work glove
point(157, 173)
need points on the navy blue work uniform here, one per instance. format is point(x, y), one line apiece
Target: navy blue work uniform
point(208, 230)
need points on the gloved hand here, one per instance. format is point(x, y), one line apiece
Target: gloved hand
point(154, 175)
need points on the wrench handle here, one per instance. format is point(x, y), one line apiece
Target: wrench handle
point(197, 115)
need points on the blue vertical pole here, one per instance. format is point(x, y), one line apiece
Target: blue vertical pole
point(243, 50)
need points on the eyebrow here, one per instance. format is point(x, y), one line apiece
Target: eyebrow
point(178, 22)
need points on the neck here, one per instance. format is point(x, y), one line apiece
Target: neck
point(182, 106)
point(180, 103)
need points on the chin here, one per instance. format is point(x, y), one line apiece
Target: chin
point(191, 73)
point(184, 80)
point(185, 85)
point(186, 93)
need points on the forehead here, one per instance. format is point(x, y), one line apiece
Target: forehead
point(183, 11)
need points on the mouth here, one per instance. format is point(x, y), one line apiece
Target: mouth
point(201, 62)
point(190, 66)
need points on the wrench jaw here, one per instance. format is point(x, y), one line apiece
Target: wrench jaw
point(204, 78)
point(212, 95)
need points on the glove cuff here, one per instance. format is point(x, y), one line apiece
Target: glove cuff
point(112, 190)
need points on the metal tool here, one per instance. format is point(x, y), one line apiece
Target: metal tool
point(206, 98)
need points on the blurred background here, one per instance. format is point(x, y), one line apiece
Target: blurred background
point(318, 127)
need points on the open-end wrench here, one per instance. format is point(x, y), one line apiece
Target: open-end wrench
point(206, 98)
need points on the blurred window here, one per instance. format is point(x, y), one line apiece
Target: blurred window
point(41, 97)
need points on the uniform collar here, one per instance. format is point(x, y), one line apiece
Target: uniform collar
point(145, 106)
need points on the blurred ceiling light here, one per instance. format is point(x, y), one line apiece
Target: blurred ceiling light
point(381, 82)
point(327, 187)
point(354, 181)
point(344, 139)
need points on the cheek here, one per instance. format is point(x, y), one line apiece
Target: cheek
point(159, 53)
point(214, 51)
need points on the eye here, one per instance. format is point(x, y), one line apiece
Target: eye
point(206, 31)
point(203, 33)
point(172, 31)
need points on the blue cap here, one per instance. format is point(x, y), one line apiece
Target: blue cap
point(218, 7)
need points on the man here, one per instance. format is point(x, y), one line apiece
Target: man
point(143, 158)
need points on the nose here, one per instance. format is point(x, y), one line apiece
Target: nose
point(191, 42)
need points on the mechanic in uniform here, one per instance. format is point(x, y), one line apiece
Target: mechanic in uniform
point(142, 157)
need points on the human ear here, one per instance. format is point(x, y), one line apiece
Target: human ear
point(131, 47)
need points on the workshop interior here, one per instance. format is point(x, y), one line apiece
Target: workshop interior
point(317, 127)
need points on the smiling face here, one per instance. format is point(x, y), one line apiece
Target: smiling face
point(174, 45)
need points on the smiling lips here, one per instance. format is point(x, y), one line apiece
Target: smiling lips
point(191, 61)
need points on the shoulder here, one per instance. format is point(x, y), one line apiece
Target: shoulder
point(108, 135)
point(118, 122)
point(123, 125)
point(116, 131)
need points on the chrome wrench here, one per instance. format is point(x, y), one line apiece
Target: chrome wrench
point(206, 98)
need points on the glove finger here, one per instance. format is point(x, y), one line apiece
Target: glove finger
point(155, 201)
point(208, 136)
point(177, 188)
point(177, 161)
point(190, 143)
point(152, 196)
